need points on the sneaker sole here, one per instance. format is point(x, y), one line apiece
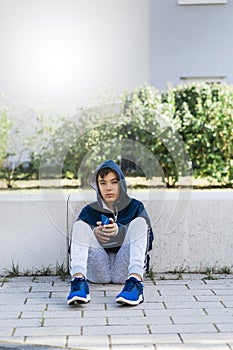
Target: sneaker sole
point(122, 300)
point(79, 300)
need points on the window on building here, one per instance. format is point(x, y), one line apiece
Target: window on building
point(201, 2)
point(207, 79)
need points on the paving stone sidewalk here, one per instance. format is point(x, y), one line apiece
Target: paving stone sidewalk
point(188, 313)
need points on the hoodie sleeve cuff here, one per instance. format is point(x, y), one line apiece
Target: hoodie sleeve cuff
point(117, 229)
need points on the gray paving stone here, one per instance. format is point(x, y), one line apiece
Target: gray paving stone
point(109, 330)
point(31, 314)
point(134, 347)
point(36, 301)
point(12, 300)
point(225, 327)
point(175, 312)
point(176, 297)
point(197, 285)
point(90, 342)
point(21, 279)
point(14, 289)
point(188, 292)
point(37, 294)
point(56, 294)
point(47, 340)
point(70, 314)
point(207, 338)
point(145, 339)
point(199, 292)
point(183, 328)
point(20, 307)
point(120, 312)
point(9, 314)
point(194, 304)
point(47, 331)
point(192, 347)
point(222, 292)
point(6, 331)
point(44, 288)
point(19, 322)
point(64, 306)
point(144, 306)
point(170, 290)
point(12, 340)
point(127, 320)
point(220, 312)
point(173, 279)
point(101, 300)
point(214, 298)
point(202, 319)
point(221, 282)
point(228, 303)
point(32, 307)
point(45, 279)
point(71, 322)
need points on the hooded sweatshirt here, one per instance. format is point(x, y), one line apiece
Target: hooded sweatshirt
point(126, 209)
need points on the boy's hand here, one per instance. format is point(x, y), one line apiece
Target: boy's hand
point(103, 233)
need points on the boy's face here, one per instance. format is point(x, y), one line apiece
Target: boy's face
point(109, 188)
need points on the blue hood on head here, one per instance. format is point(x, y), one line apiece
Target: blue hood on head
point(112, 165)
point(108, 164)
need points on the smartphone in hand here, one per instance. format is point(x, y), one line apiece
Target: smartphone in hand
point(104, 220)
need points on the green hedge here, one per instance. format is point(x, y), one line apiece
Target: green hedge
point(187, 130)
point(205, 113)
point(201, 115)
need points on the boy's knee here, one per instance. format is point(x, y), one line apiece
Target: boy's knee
point(139, 221)
point(81, 225)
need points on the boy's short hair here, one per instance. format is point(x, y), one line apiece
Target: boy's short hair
point(104, 172)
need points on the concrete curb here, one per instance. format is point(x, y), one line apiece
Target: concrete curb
point(15, 346)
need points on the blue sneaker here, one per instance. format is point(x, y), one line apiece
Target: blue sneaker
point(79, 291)
point(132, 293)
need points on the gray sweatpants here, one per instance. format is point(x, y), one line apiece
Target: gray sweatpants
point(98, 266)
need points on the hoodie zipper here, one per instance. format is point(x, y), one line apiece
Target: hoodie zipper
point(115, 214)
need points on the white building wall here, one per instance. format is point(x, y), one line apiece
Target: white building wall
point(190, 41)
